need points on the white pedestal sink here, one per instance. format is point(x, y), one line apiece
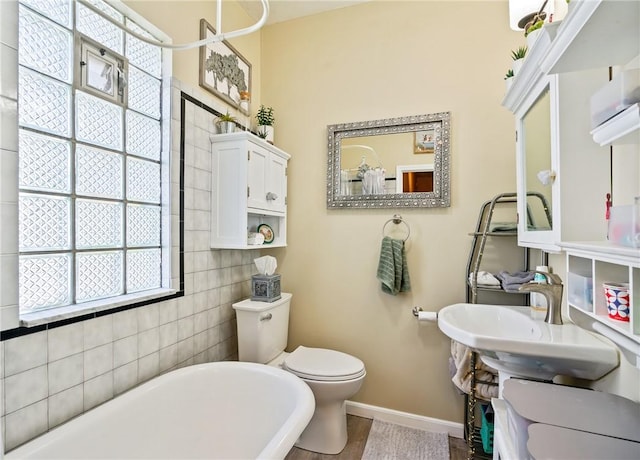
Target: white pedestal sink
point(507, 339)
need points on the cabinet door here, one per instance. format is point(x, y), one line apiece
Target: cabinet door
point(267, 180)
point(258, 177)
point(537, 153)
point(277, 184)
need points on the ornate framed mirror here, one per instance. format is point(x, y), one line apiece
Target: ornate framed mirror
point(364, 158)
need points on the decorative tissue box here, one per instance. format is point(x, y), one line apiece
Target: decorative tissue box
point(265, 288)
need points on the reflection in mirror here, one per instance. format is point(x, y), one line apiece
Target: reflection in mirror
point(414, 178)
point(539, 177)
point(395, 162)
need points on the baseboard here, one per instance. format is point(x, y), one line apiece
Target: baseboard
point(421, 422)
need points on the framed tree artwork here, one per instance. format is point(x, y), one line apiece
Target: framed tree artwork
point(223, 70)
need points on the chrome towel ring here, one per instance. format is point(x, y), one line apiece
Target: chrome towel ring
point(397, 219)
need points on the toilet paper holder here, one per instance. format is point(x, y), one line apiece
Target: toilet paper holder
point(421, 315)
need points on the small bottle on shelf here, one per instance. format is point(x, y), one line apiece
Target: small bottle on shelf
point(245, 108)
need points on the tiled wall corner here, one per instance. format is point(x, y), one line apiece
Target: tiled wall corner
point(54, 375)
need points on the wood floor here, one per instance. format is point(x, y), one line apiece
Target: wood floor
point(358, 430)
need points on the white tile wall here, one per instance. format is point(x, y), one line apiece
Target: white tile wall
point(125, 350)
point(25, 424)
point(98, 360)
point(65, 341)
point(54, 375)
point(125, 377)
point(65, 373)
point(25, 353)
point(25, 388)
point(97, 391)
point(65, 405)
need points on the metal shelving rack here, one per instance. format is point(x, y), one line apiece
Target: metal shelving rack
point(482, 233)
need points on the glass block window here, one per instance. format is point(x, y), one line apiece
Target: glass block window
point(90, 163)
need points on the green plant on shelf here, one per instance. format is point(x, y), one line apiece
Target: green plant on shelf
point(509, 74)
point(520, 53)
point(265, 116)
point(226, 117)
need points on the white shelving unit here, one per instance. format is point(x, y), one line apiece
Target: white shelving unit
point(622, 129)
point(248, 188)
point(589, 265)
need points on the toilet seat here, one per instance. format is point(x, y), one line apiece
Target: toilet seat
point(321, 364)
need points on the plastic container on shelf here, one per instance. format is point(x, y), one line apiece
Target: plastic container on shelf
point(622, 91)
point(624, 225)
point(580, 291)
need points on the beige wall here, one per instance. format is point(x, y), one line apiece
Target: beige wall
point(372, 61)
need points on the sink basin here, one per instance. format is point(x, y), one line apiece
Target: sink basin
point(508, 340)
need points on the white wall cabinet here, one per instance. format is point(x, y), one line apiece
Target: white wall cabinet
point(249, 188)
point(570, 60)
point(565, 149)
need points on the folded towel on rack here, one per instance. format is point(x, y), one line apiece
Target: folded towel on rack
point(484, 279)
point(511, 282)
point(392, 267)
point(486, 376)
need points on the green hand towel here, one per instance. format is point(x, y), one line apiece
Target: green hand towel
point(392, 268)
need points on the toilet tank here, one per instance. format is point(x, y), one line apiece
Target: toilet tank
point(263, 328)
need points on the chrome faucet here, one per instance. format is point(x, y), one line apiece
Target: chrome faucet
point(552, 291)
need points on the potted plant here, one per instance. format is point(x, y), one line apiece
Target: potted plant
point(226, 123)
point(265, 119)
point(532, 31)
point(508, 78)
point(518, 58)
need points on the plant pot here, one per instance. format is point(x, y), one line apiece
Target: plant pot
point(226, 127)
point(532, 37)
point(269, 133)
point(508, 82)
point(517, 64)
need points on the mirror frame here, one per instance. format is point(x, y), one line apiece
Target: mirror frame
point(439, 198)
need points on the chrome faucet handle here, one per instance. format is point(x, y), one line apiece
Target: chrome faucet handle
point(552, 291)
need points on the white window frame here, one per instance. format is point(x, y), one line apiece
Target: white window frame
point(37, 317)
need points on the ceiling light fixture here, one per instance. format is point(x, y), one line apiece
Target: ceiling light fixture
point(219, 36)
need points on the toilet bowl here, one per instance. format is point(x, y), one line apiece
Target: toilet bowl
point(333, 376)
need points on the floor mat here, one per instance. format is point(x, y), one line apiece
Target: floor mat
point(388, 441)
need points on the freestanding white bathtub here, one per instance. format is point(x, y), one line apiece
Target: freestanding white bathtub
point(223, 410)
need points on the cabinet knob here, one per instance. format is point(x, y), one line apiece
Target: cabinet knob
point(271, 196)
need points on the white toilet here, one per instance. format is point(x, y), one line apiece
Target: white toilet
point(332, 376)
